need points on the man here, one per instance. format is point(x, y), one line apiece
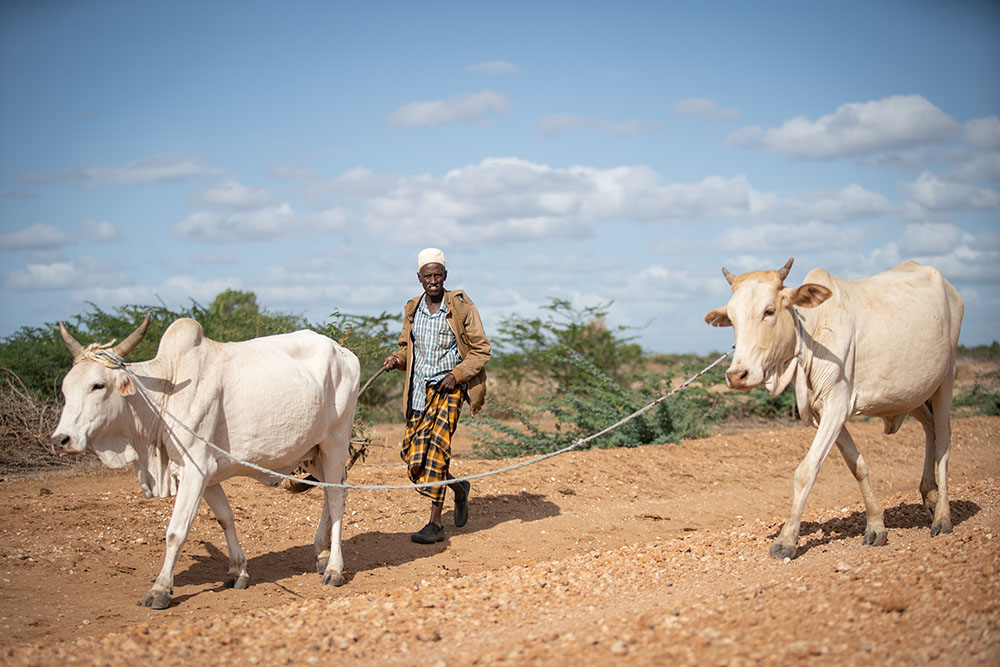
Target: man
point(443, 350)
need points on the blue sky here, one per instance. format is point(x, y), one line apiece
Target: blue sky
point(586, 151)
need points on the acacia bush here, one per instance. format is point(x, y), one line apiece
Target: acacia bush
point(34, 360)
point(570, 367)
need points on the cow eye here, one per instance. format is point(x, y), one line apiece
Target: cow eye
point(769, 311)
point(97, 387)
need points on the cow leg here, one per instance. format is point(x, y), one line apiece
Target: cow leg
point(941, 406)
point(928, 480)
point(334, 454)
point(784, 545)
point(321, 543)
point(237, 575)
point(189, 492)
point(333, 520)
point(875, 533)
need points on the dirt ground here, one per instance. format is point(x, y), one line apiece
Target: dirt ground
point(632, 556)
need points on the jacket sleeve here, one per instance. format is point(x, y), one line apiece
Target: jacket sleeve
point(403, 351)
point(476, 343)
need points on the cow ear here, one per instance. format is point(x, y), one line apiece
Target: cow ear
point(718, 318)
point(810, 295)
point(125, 386)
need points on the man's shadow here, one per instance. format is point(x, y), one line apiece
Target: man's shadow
point(367, 551)
point(903, 515)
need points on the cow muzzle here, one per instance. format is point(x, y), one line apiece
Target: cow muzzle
point(736, 378)
point(64, 444)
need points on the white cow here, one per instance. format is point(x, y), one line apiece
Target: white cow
point(883, 346)
point(278, 402)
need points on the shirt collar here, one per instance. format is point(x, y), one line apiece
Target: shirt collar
point(423, 306)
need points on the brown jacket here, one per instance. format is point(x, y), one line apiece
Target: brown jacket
point(473, 346)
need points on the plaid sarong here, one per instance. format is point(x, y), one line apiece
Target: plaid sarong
point(427, 441)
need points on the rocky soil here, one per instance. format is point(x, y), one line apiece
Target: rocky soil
point(630, 556)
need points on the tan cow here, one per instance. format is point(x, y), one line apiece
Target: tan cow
point(883, 346)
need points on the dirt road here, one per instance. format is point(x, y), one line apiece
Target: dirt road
point(614, 556)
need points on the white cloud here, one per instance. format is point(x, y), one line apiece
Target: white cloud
point(81, 272)
point(934, 194)
point(961, 257)
point(704, 108)
point(178, 290)
point(271, 222)
point(851, 202)
point(892, 123)
point(931, 239)
point(164, 168)
point(358, 182)
point(36, 237)
point(509, 200)
point(977, 168)
point(233, 195)
point(668, 284)
point(494, 67)
point(790, 238)
point(94, 230)
point(983, 132)
point(459, 109)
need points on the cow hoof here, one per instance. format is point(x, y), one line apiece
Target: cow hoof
point(239, 583)
point(321, 560)
point(942, 527)
point(333, 579)
point(875, 538)
point(781, 551)
point(156, 600)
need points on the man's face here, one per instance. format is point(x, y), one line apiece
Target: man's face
point(432, 277)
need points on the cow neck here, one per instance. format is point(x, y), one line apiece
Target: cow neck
point(149, 419)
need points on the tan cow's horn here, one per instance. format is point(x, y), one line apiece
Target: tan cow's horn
point(74, 347)
point(783, 271)
point(729, 277)
point(123, 348)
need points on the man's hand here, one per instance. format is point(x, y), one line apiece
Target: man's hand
point(447, 384)
point(390, 363)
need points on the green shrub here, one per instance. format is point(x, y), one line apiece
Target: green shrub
point(983, 398)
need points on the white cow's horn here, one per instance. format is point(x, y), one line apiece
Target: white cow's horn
point(74, 347)
point(783, 271)
point(123, 348)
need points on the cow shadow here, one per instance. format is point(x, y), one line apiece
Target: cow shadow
point(366, 551)
point(901, 516)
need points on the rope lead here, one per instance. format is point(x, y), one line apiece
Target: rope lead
point(118, 362)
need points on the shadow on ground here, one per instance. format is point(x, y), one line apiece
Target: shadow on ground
point(900, 517)
point(366, 551)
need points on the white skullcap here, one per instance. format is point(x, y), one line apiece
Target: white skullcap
point(430, 256)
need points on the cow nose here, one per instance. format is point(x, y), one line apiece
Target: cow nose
point(60, 442)
point(737, 377)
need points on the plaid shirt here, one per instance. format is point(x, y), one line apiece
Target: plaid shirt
point(435, 351)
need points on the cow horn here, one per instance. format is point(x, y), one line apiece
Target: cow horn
point(74, 347)
point(729, 277)
point(134, 338)
point(783, 271)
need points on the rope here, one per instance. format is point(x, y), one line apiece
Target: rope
point(118, 362)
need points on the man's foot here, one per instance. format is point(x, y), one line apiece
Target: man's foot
point(429, 534)
point(462, 503)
